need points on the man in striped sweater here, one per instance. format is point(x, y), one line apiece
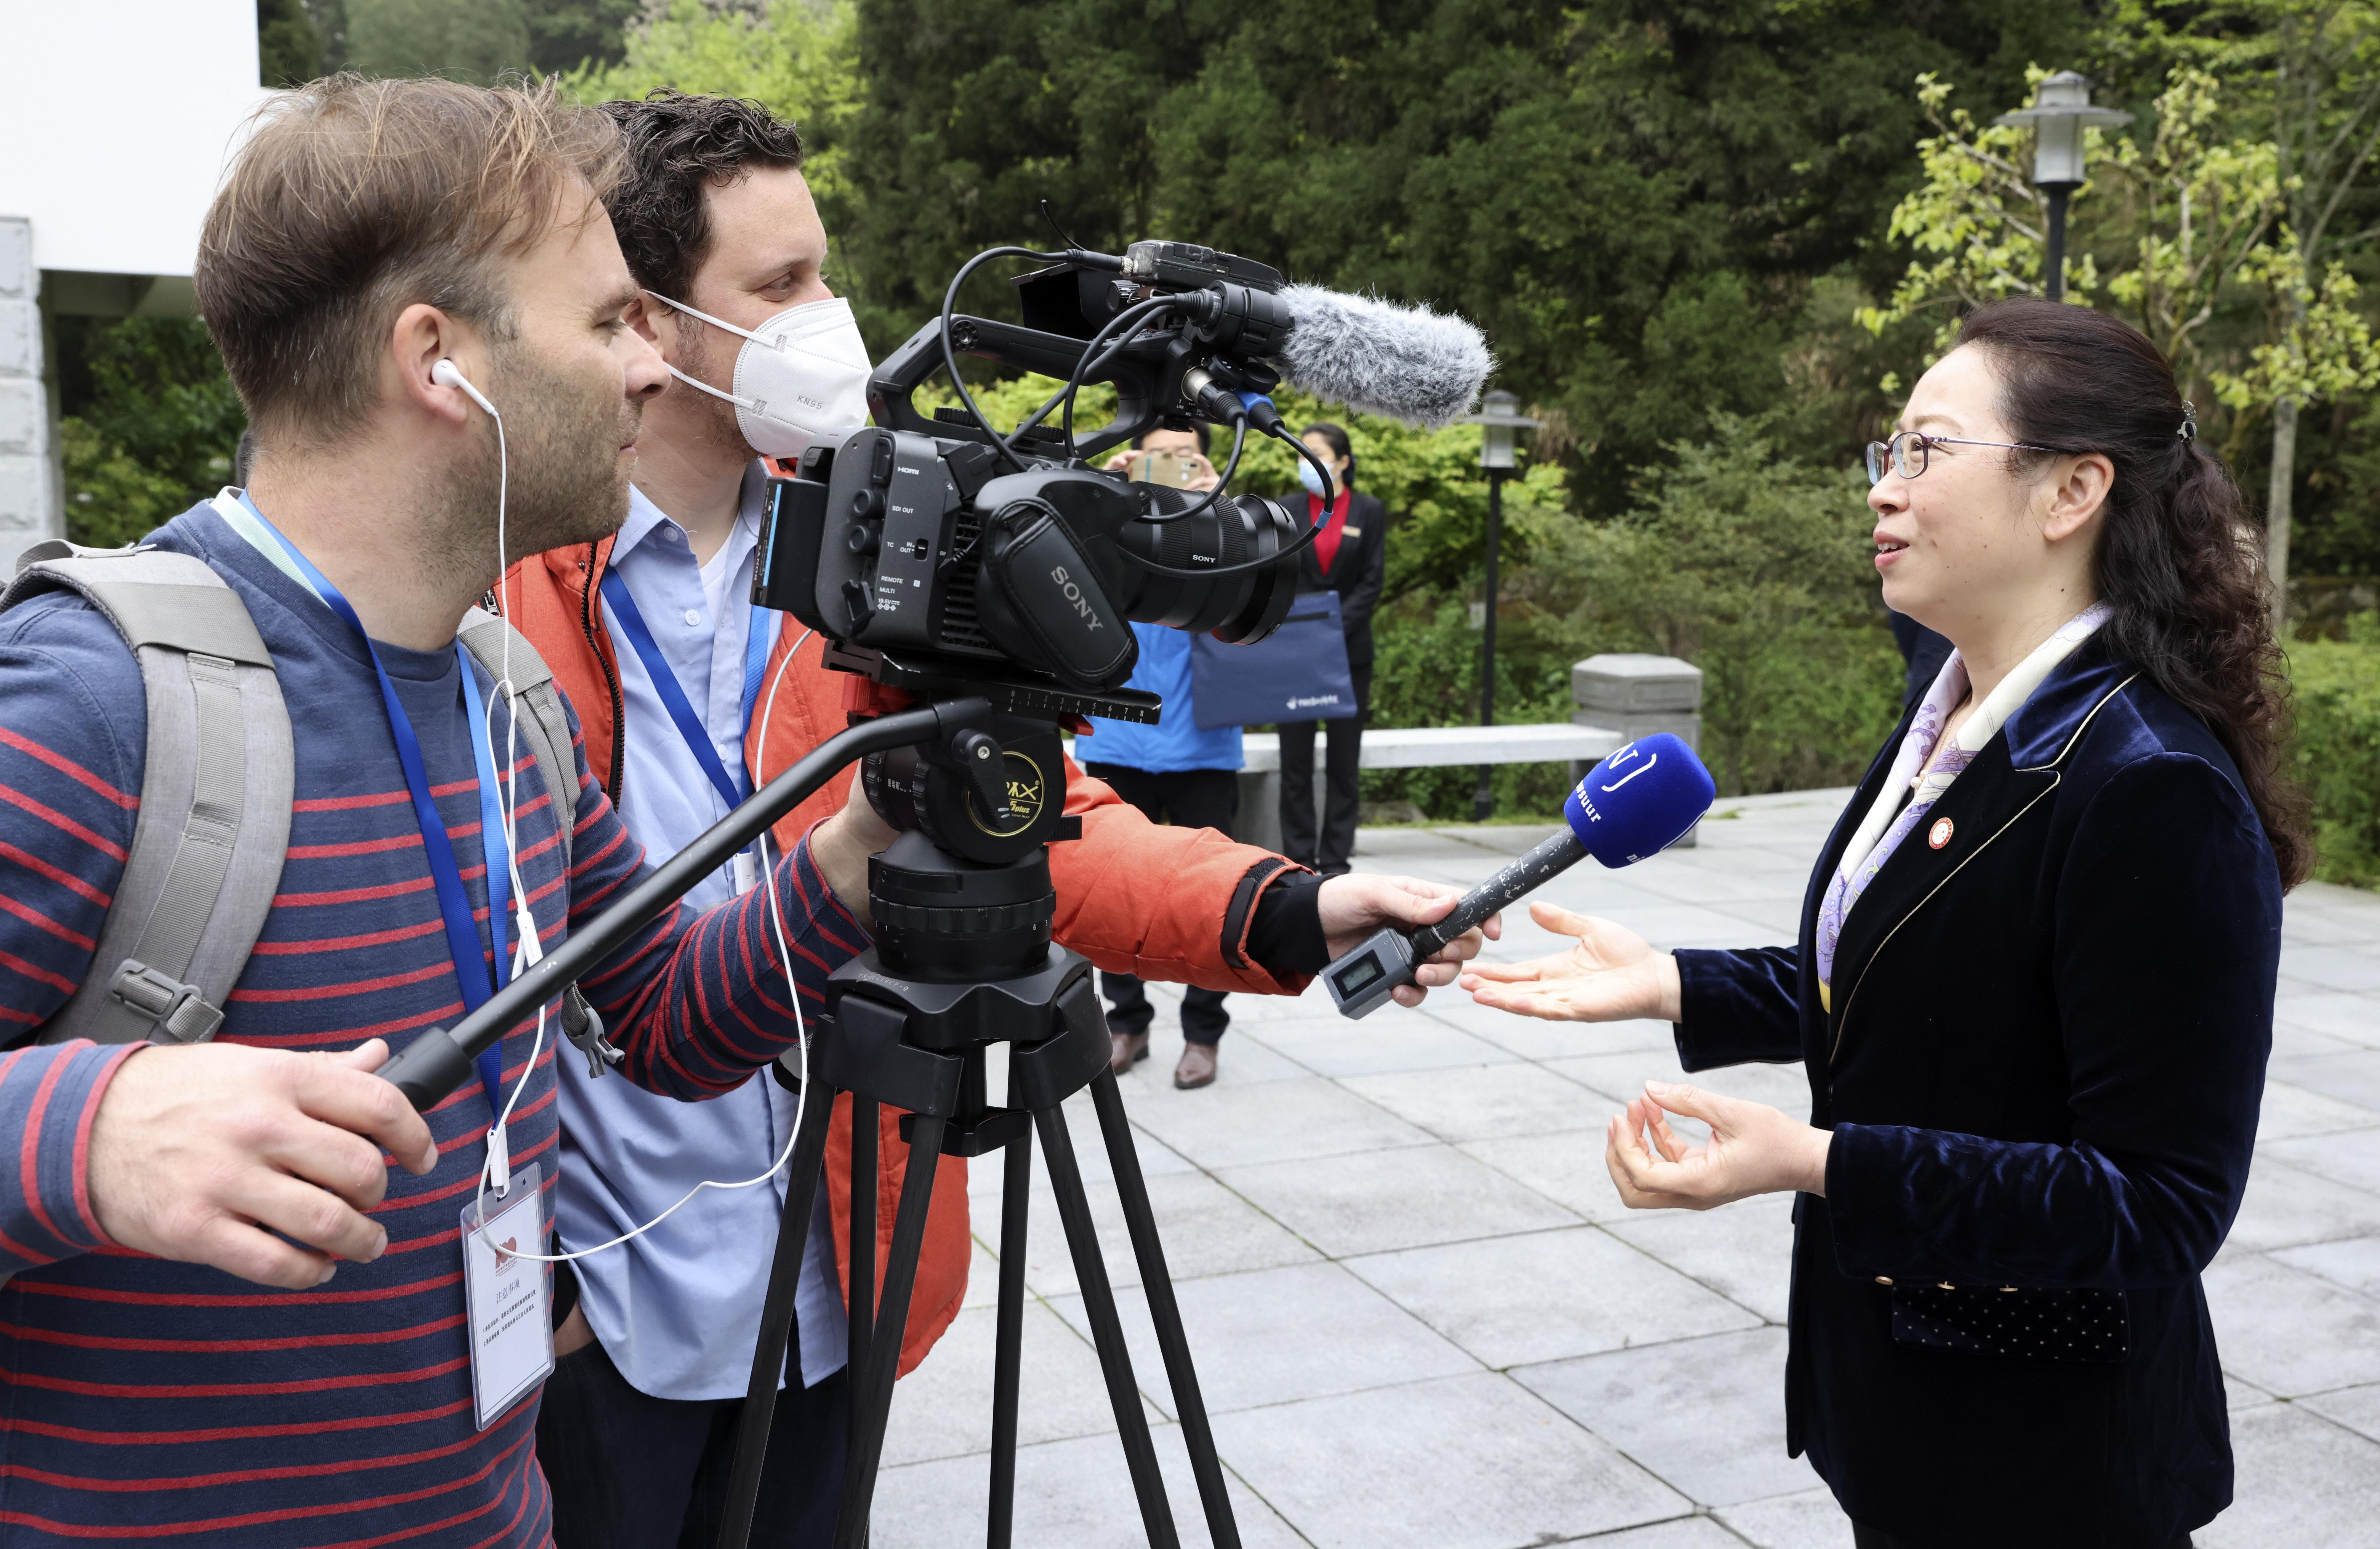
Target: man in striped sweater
point(228, 1323)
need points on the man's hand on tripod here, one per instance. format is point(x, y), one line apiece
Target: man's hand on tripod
point(1358, 904)
point(841, 845)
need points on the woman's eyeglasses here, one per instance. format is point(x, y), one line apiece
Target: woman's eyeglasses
point(1909, 452)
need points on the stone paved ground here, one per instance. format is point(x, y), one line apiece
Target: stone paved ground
point(1422, 1319)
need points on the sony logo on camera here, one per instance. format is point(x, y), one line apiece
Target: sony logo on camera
point(1083, 608)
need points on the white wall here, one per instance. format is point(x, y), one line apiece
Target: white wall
point(116, 120)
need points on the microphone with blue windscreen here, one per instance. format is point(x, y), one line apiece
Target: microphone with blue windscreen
point(1637, 803)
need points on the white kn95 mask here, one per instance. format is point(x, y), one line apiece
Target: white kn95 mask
point(800, 374)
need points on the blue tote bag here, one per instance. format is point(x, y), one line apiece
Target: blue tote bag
point(1299, 672)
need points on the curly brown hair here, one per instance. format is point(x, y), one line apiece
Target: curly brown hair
point(679, 145)
point(2179, 559)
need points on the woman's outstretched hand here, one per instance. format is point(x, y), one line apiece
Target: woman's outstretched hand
point(1613, 975)
point(1754, 1149)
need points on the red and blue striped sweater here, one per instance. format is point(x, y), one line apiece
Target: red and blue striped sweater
point(152, 1400)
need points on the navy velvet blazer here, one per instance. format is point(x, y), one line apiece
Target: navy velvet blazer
point(2042, 1068)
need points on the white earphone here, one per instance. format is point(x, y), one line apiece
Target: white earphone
point(448, 374)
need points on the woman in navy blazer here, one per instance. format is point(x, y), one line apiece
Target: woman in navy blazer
point(2034, 987)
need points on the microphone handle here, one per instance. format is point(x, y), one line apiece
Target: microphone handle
point(1523, 876)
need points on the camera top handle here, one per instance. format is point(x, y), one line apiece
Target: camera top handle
point(1137, 380)
point(440, 1061)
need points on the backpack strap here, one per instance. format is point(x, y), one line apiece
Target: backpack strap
point(213, 823)
point(546, 729)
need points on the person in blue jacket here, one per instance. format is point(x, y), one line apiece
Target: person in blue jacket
point(1176, 773)
point(2033, 984)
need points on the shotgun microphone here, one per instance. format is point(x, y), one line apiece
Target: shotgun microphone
point(1406, 363)
point(1637, 803)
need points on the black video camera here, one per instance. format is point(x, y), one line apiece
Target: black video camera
point(958, 551)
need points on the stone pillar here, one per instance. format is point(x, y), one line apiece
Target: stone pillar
point(1636, 695)
point(30, 507)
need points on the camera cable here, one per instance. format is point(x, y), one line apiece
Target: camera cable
point(1223, 482)
point(949, 352)
point(793, 995)
point(1084, 365)
point(1305, 539)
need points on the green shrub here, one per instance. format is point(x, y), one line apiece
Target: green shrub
point(149, 428)
point(2337, 750)
point(1757, 569)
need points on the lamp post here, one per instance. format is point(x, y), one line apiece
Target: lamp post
point(1499, 421)
point(2061, 108)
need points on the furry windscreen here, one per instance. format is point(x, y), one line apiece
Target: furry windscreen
point(1407, 363)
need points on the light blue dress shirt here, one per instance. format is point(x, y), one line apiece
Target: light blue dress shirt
point(678, 1309)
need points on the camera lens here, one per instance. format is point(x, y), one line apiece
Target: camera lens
point(1241, 608)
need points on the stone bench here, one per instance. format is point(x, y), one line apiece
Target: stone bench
point(1410, 747)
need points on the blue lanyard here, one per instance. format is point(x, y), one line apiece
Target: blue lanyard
point(446, 876)
point(680, 709)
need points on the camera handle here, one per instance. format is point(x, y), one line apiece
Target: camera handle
point(891, 390)
point(440, 1060)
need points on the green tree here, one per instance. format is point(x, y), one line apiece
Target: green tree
point(568, 34)
point(2325, 96)
point(796, 58)
point(1751, 564)
point(2204, 215)
point(477, 40)
point(149, 426)
point(2192, 214)
point(288, 45)
point(1635, 200)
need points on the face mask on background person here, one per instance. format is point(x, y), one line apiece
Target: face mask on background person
point(1311, 479)
point(800, 374)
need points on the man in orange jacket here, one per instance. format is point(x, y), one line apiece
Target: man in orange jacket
point(638, 1419)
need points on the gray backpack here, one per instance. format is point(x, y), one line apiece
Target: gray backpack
point(213, 825)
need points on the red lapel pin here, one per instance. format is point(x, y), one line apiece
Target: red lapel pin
point(1939, 835)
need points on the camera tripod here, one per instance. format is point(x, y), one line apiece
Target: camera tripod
point(975, 776)
point(965, 961)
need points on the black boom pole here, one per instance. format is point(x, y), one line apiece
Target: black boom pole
point(440, 1061)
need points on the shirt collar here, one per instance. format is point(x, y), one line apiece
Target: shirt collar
point(644, 517)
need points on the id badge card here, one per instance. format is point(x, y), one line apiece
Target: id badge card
point(505, 1297)
point(745, 869)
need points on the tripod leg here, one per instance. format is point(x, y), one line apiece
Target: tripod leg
point(891, 1321)
point(1165, 1312)
point(862, 1247)
point(776, 1319)
point(1107, 1329)
point(1008, 1356)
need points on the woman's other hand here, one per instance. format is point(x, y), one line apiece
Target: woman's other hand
point(1613, 975)
point(1754, 1149)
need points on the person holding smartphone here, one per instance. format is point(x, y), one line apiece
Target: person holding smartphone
point(1174, 772)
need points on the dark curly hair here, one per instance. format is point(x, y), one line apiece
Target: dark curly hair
point(678, 145)
point(2178, 558)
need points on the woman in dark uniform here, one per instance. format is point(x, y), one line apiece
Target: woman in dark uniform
point(2033, 987)
point(1350, 557)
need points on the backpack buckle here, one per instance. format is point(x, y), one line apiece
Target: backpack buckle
point(584, 1026)
point(181, 1013)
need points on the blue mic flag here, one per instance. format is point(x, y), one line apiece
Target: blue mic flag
point(1640, 800)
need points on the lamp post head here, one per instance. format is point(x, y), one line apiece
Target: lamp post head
point(2061, 108)
point(1499, 418)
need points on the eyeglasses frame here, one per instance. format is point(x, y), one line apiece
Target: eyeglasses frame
point(1927, 445)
